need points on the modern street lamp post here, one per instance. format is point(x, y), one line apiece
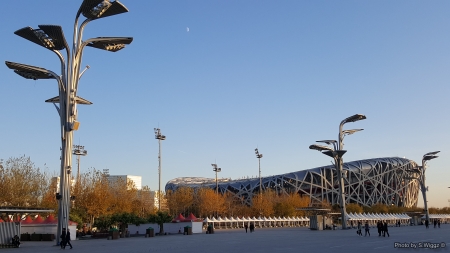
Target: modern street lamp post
point(259, 156)
point(336, 153)
point(337, 157)
point(216, 170)
point(420, 170)
point(52, 38)
point(160, 138)
point(342, 134)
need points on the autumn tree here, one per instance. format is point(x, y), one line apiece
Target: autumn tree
point(181, 200)
point(123, 193)
point(353, 208)
point(22, 183)
point(395, 209)
point(144, 204)
point(95, 197)
point(209, 203)
point(234, 205)
point(377, 208)
point(288, 204)
point(262, 204)
point(49, 198)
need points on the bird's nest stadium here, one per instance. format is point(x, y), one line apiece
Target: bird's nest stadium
point(366, 182)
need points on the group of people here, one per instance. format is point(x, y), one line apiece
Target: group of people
point(252, 227)
point(382, 229)
point(65, 239)
point(435, 222)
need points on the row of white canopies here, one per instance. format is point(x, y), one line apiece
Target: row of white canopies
point(258, 222)
point(378, 216)
point(445, 217)
point(254, 219)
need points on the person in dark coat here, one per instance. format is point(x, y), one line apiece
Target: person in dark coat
point(62, 243)
point(359, 229)
point(252, 227)
point(426, 223)
point(439, 223)
point(379, 227)
point(68, 239)
point(246, 227)
point(385, 229)
point(16, 241)
point(367, 228)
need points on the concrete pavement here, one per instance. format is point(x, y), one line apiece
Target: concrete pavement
point(265, 240)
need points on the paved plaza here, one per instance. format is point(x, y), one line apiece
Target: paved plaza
point(263, 240)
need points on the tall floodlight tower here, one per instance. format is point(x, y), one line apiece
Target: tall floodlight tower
point(160, 138)
point(215, 169)
point(79, 150)
point(259, 156)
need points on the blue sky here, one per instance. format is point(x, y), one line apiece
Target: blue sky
point(277, 75)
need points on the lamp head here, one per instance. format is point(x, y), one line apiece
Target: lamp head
point(429, 157)
point(95, 9)
point(329, 142)
point(29, 72)
point(351, 131)
point(431, 153)
point(48, 36)
point(320, 147)
point(354, 118)
point(112, 44)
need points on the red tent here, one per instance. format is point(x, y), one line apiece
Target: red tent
point(179, 218)
point(27, 220)
point(50, 219)
point(38, 220)
point(191, 217)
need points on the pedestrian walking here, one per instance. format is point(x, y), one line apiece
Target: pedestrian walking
point(62, 243)
point(435, 223)
point(246, 227)
point(439, 223)
point(379, 227)
point(359, 229)
point(367, 228)
point(252, 227)
point(385, 229)
point(426, 223)
point(68, 239)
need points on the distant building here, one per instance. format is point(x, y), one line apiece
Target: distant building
point(154, 195)
point(137, 180)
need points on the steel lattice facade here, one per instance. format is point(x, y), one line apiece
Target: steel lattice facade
point(366, 182)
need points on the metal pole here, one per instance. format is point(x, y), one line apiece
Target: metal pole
point(217, 183)
point(260, 180)
point(341, 181)
point(159, 172)
point(160, 138)
point(424, 191)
